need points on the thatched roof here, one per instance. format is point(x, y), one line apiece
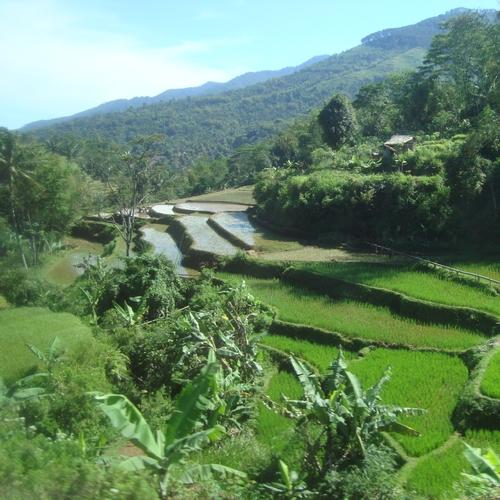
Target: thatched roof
point(399, 140)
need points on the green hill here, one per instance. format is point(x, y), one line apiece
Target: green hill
point(214, 125)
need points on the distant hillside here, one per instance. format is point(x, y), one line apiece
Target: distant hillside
point(211, 88)
point(214, 125)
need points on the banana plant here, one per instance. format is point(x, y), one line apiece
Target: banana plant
point(485, 482)
point(53, 355)
point(24, 389)
point(349, 417)
point(291, 485)
point(166, 451)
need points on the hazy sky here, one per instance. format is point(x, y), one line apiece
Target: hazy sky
point(58, 57)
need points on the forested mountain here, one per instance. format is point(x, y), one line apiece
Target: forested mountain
point(215, 125)
point(239, 82)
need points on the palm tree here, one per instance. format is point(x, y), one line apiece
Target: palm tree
point(10, 171)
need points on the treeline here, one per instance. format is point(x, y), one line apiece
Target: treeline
point(332, 174)
point(41, 195)
point(211, 127)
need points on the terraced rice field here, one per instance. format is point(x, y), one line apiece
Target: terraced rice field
point(37, 326)
point(62, 268)
point(243, 194)
point(318, 355)
point(488, 269)
point(432, 381)
point(490, 384)
point(163, 244)
point(209, 207)
point(404, 279)
point(273, 429)
point(353, 319)
point(204, 238)
point(165, 209)
point(238, 224)
point(434, 475)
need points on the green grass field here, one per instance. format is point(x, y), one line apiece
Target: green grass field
point(354, 319)
point(404, 279)
point(490, 384)
point(37, 326)
point(435, 474)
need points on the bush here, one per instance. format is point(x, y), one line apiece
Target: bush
point(367, 206)
point(34, 466)
point(22, 288)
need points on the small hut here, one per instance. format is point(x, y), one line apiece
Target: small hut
point(400, 143)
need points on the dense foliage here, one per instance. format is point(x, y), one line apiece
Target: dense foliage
point(215, 125)
point(445, 186)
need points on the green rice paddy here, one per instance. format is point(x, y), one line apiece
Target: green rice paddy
point(353, 319)
point(490, 384)
point(489, 269)
point(405, 279)
point(435, 475)
point(318, 355)
point(432, 381)
point(37, 326)
point(273, 429)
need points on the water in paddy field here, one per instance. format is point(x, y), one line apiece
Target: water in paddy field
point(238, 224)
point(204, 237)
point(164, 244)
point(210, 207)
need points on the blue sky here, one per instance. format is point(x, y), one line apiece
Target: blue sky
point(59, 57)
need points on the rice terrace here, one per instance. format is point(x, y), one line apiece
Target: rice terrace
point(283, 286)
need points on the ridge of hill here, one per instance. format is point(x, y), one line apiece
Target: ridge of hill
point(215, 125)
point(240, 81)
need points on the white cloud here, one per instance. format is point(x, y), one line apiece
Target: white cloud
point(52, 66)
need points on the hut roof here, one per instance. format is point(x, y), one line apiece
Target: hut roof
point(399, 140)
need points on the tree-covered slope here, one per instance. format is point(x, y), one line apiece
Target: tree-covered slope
point(215, 125)
point(208, 88)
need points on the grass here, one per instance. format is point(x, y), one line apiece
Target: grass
point(273, 429)
point(242, 194)
point(432, 381)
point(354, 319)
point(37, 326)
point(407, 280)
point(490, 384)
point(435, 474)
point(320, 356)
point(3, 303)
point(490, 269)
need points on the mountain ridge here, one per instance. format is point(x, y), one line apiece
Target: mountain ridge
point(207, 88)
point(215, 125)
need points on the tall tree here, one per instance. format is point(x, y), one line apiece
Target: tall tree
point(338, 121)
point(11, 170)
point(467, 55)
point(132, 180)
